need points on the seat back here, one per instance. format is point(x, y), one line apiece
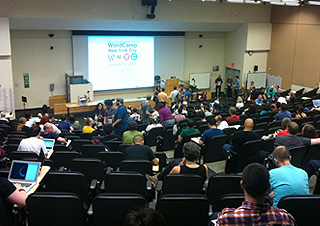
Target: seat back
point(64, 158)
point(248, 151)
point(262, 125)
point(91, 150)
point(123, 147)
point(162, 159)
point(142, 127)
point(55, 208)
point(113, 145)
point(232, 200)
point(203, 128)
point(20, 155)
point(181, 210)
point(235, 122)
point(213, 151)
point(178, 151)
point(14, 140)
point(67, 181)
point(141, 166)
point(60, 147)
point(268, 145)
point(111, 158)
point(90, 167)
point(298, 154)
point(168, 141)
point(275, 124)
point(312, 153)
point(182, 184)
point(78, 143)
point(151, 138)
point(125, 182)
point(221, 184)
point(86, 135)
point(302, 208)
point(111, 209)
point(11, 147)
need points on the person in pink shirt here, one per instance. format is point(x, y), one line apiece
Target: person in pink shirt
point(179, 116)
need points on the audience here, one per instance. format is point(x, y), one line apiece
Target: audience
point(265, 109)
point(120, 122)
point(22, 126)
point(179, 116)
point(284, 127)
point(174, 96)
point(74, 123)
point(146, 110)
point(254, 211)
point(221, 124)
point(211, 132)
point(166, 118)
point(259, 100)
point(299, 112)
point(162, 97)
point(131, 133)
point(109, 135)
point(251, 110)
point(99, 113)
point(135, 116)
point(144, 217)
point(190, 130)
point(89, 126)
point(286, 179)
point(64, 124)
point(139, 151)
point(283, 113)
point(49, 133)
point(233, 116)
point(34, 143)
point(309, 131)
point(155, 123)
point(109, 111)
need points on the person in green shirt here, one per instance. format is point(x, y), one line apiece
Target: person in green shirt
point(185, 132)
point(131, 133)
point(270, 92)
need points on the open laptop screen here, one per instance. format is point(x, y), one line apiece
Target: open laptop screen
point(49, 143)
point(21, 170)
point(316, 103)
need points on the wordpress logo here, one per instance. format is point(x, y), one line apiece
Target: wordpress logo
point(134, 56)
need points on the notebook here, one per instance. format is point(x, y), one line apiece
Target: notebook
point(24, 173)
point(316, 103)
point(49, 143)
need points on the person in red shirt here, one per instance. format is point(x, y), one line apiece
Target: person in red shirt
point(233, 116)
point(284, 127)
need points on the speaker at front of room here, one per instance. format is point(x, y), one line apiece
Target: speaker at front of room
point(255, 69)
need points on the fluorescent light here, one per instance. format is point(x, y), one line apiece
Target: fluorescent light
point(252, 2)
point(313, 3)
point(292, 3)
point(277, 3)
point(235, 1)
point(266, 0)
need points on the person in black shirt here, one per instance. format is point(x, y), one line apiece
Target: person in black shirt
point(139, 151)
point(219, 82)
point(109, 135)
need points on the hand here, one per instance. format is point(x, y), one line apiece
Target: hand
point(183, 162)
point(18, 186)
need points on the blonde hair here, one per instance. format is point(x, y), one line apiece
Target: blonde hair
point(22, 122)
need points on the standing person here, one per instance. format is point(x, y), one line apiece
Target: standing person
point(146, 111)
point(187, 96)
point(174, 95)
point(286, 179)
point(229, 87)
point(109, 111)
point(163, 97)
point(155, 95)
point(218, 82)
point(236, 87)
point(120, 123)
point(182, 94)
point(203, 97)
point(270, 92)
point(166, 118)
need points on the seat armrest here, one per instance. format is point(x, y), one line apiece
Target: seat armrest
point(102, 186)
point(93, 184)
point(159, 186)
point(149, 185)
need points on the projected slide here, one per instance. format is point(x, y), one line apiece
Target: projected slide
point(120, 62)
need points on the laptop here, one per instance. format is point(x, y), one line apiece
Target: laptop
point(49, 143)
point(24, 173)
point(316, 103)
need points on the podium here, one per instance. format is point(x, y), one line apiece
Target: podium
point(170, 83)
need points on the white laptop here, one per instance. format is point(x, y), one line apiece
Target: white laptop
point(24, 173)
point(49, 143)
point(316, 103)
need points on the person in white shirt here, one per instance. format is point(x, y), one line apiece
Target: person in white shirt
point(220, 123)
point(135, 116)
point(174, 95)
point(33, 143)
point(155, 123)
point(29, 122)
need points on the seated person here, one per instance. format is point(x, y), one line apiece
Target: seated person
point(109, 135)
point(43, 121)
point(309, 131)
point(286, 179)
point(99, 113)
point(146, 217)
point(10, 194)
point(221, 124)
point(139, 151)
point(188, 165)
point(135, 116)
point(48, 133)
point(251, 110)
point(284, 127)
point(253, 211)
point(185, 132)
point(211, 132)
point(74, 123)
point(33, 143)
point(64, 124)
point(131, 133)
point(265, 109)
point(129, 114)
point(179, 116)
point(203, 121)
point(283, 113)
point(259, 100)
point(3, 118)
point(89, 126)
point(155, 123)
point(300, 114)
point(233, 116)
point(22, 126)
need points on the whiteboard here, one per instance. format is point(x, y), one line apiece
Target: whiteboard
point(202, 80)
point(259, 78)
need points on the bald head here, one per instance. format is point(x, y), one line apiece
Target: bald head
point(248, 124)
